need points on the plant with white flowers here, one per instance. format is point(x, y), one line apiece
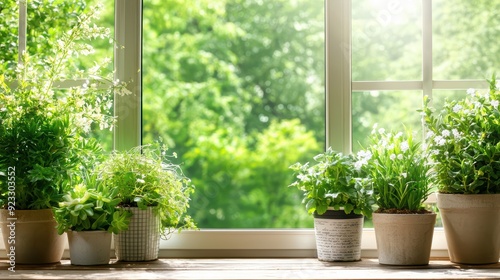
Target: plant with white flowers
point(334, 181)
point(44, 129)
point(464, 142)
point(397, 167)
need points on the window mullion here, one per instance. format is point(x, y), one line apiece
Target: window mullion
point(338, 74)
point(22, 27)
point(427, 47)
point(128, 37)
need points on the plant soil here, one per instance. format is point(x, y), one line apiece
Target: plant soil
point(402, 211)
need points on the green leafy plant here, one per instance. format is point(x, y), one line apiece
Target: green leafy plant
point(464, 142)
point(397, 166)
point(90, 206)
point(44, 129)
point(143, 177)
point(333, 181)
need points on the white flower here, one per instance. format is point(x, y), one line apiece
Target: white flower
point(445, 133)
point(140, 181)
point(471, 91)
point(440, 141)
point(400, 156)
point(381, 130)
point(398, 135)
point(494, 103)
point(456, 108)
point(392, 156)
point(404, 175)
point(404, 146)
point(455, 132)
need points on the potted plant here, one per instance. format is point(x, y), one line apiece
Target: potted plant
point(336, 193)
point(43, 132)
point(155, 191)
point(89, 215)
point(463, 140)
point(399, 172)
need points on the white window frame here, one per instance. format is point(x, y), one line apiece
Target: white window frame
point(339, 86)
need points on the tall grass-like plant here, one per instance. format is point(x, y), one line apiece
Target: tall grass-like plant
point(464, 142)
point(398, 169)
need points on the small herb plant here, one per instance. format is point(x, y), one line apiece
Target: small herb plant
point(144, 177)
point(89, 206)
point(333, 181)
point(464, 142)
point(398, 169)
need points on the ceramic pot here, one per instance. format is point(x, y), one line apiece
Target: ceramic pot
point(404, 239)
point(30, 236)
point(472, 227)
point(338, 236)
point(141, 242)
point(89, 247)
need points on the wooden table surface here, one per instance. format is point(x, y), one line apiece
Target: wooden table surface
point(292, 268)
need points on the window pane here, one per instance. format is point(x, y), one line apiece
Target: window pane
point(391, 110)
point(386, 40)
point(236, 89)
point(465, 39)
point(440, 96)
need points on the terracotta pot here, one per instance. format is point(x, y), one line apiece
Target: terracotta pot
point(404, 239)
point(472, 227)
point(89, 247)
point(33, 236)
point(338, 236)
point(141, 242)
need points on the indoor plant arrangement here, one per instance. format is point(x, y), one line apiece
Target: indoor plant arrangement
point(89, 215)
point(155, 191)
point(43, 132)
point(463, 140)
point(397, 167)
point(338, 196)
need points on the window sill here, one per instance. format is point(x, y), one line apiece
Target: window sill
point(239, 268)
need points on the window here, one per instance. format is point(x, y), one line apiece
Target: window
point(380, 58)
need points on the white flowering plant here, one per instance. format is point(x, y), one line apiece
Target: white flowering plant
point(145, 177)
point(397, 166)
point(333, 181)
point(45, 129)
point(464, 142)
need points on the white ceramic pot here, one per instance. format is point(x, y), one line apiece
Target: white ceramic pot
point(404, 239)
point(338, 236)
point(89, 247)
point(472, 227)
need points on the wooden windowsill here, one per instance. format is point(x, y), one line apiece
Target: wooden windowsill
point(239, 268)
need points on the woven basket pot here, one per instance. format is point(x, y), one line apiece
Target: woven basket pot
point(141, 241)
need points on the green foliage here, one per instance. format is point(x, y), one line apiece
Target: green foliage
point(144, 177)
point(43, 129)
point(397, 166)
point(90, 206)
point(334, 181)
point(464, 142)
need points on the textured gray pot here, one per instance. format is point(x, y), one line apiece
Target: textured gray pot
point(404, 239)
point(472, 227)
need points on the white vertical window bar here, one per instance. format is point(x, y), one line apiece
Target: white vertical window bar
point(338, 74)
point(427, 47)
point(128, 36)
point(22, 26)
